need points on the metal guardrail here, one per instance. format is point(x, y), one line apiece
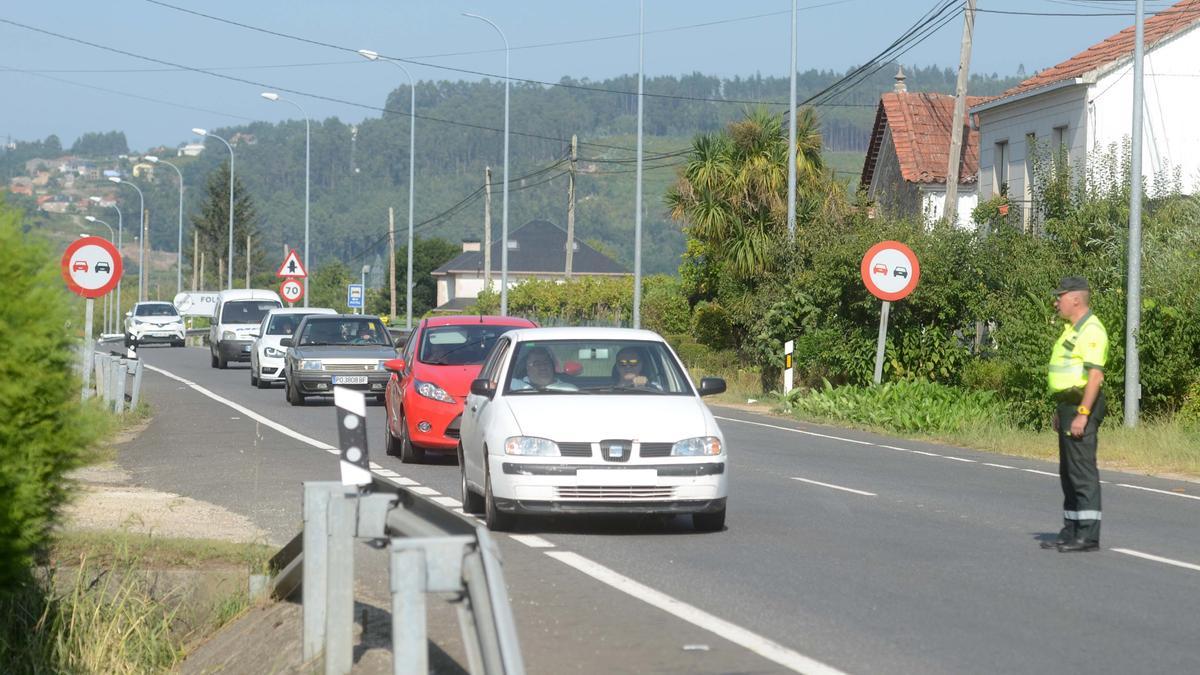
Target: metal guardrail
point(112, 380)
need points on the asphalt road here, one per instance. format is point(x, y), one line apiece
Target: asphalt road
point(861, 552)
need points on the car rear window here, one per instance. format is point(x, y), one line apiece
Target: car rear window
point(459, 345)
point(156, 310)
point(247, 311)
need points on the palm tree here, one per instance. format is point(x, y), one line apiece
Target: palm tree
point(732, 193)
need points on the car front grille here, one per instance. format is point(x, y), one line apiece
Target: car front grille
point(348, 367)
point(656, 449)
point(615, 492)
point(575, 449)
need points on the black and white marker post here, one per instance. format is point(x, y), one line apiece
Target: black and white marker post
point(352, 436)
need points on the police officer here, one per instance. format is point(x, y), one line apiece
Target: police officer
point(1075, 375)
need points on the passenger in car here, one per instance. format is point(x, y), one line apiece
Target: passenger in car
point(628, 371)
point(540, 373)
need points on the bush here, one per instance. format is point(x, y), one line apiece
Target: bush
point(905, 406)
point(664, 306)
point(1189, 413)
point(43, 428)
point(712, 326)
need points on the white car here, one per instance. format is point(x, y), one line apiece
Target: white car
point(266, 356)
point(151, 322)
point(590, 420)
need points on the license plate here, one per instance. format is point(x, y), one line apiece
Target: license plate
point(349, 379)
point(617, 476)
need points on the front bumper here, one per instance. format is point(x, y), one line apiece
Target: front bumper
point(235, 350)
point(147, 334)
point(270, 369)
point(320, 382)
point(522, 485)
point(442, 425)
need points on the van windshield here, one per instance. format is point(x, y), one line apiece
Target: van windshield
point(247, 311)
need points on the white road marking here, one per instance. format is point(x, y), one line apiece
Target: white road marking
point(960, 459)
point(894, 447)
point(1043, 473)
point(1155, 558)
point(447, 501)
point(386, 472)
point(374, 467)
point(999, 466)
point(1161, 492)
point(758, 644)
point(422, 490)
point(531, 540)
point(795, 431)
point(927, 454)
point(836, 487)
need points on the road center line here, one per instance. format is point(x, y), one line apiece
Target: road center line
point(758, 644)
point(1155, 558)
point(999, 466)
point(531, 540)
point(960, 459)
point(795, 431)
point(836, 487)
point(1163, 492)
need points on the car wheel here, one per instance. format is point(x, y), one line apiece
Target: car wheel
point(222, 362)
point(214, 358)
point(709, 522)
point(497, 520)
point(471, 502)
point(409, 453)
point(253, 377)
point(391, 445)
point(261, 383)
point(178, 343)
point(293, 394)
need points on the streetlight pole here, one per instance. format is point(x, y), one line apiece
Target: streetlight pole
point(109, 321)
point(120, 236)
point(412, 160)
point(272, 96)
point(791, 198)
point(141, 233)
point(179, 246)
point(1133, 293)
point(504, 209)
point(229, 265)
point(637, 221)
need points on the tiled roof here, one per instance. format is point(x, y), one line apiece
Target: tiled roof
point(920, 125)
point(1162, 25)
point(541, 248)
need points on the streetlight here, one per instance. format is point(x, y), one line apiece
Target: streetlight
point(205, 132)
point(272, 96)
point(366, 269)
point(108, 321)
point(179, 267)
point(504, 212)
point(637, 219)
point(412, 160)
point(142, 231)
point(120, 236)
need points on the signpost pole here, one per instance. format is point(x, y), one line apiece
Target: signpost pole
point(787, 366)
point(89, 347)
point(883, 322)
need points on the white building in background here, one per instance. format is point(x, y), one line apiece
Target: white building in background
point(1085, 105)
point(191, 149)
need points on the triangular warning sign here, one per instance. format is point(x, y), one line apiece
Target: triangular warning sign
point(291, 266)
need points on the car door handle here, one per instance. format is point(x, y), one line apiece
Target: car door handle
point(474, 408)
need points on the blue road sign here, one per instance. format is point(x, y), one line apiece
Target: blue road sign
point(354, 296)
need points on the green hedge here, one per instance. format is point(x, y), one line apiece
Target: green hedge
point(904, 406)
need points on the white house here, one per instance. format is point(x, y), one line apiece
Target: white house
point(537, 250)
point(908, 156)
point(1085, 105)
point(190, 149)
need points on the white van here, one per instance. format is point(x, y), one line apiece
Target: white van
point(235, 320)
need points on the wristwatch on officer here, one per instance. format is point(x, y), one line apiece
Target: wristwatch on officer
point(1083, 410)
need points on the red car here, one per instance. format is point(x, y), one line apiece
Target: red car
point(430, 381)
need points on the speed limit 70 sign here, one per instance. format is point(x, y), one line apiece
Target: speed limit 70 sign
point(291, 290)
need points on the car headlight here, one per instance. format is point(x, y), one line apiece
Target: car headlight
point(274, 353)
point(531, 445)
point(310, 364)
point(229, 335)
point(699, 446)
point(431, 390)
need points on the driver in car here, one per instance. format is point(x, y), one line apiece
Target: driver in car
point(627, 371)
point(540, 373)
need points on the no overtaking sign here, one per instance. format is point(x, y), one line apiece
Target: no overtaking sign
point(891, 271)
point(91, 266)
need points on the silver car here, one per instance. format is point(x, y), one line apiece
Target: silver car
point(342, 350)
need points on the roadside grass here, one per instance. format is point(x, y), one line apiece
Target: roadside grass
point(105, 425)
point(740, 385)
point(96, 606)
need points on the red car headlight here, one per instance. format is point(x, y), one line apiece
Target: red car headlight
point(431, 390)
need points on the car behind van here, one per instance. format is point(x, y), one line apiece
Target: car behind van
point(235, 319)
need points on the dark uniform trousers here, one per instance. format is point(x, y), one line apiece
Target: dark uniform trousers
point(1077, 469)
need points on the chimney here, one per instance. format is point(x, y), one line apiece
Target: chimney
point(900, 87)
point(471, 245)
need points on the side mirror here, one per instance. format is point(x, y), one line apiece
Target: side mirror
point(394, 365)
point(483, 388)
point(287, 342)
point(711, 385)
point(129, 313)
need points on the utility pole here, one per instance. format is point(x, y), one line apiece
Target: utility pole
point(247, 261)
point(201, 272)
point(791, 198)
point(195, 260)
point(1133, 294)
point(221, 271)
point(487, 227)
point(571, 205)
point(143, 274)
point(950, 210)
point(392, 260)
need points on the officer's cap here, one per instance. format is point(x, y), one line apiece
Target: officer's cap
point(1069, 284)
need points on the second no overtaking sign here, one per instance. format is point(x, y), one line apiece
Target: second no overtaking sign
point(890, 271)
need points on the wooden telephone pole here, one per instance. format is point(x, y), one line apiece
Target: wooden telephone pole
point(571, 205)
point(950, 210)
point(247, 261)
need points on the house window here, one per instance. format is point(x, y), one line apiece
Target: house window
point(1000, 169)
point(1058, 145)
point(513, 245)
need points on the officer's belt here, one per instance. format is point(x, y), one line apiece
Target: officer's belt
point(1073, 395)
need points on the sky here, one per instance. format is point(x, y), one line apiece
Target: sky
point(67, 88)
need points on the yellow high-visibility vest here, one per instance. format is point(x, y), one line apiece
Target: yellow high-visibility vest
point(1082, 346)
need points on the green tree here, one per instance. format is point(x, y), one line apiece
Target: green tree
point(327, 286)
point(428, 255)
point(212, 224)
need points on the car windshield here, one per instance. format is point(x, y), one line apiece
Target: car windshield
point(629, 367)
point(345, 331)
point(247, 311)
point(157, 309)
point(284, 324)
point(466, 345)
